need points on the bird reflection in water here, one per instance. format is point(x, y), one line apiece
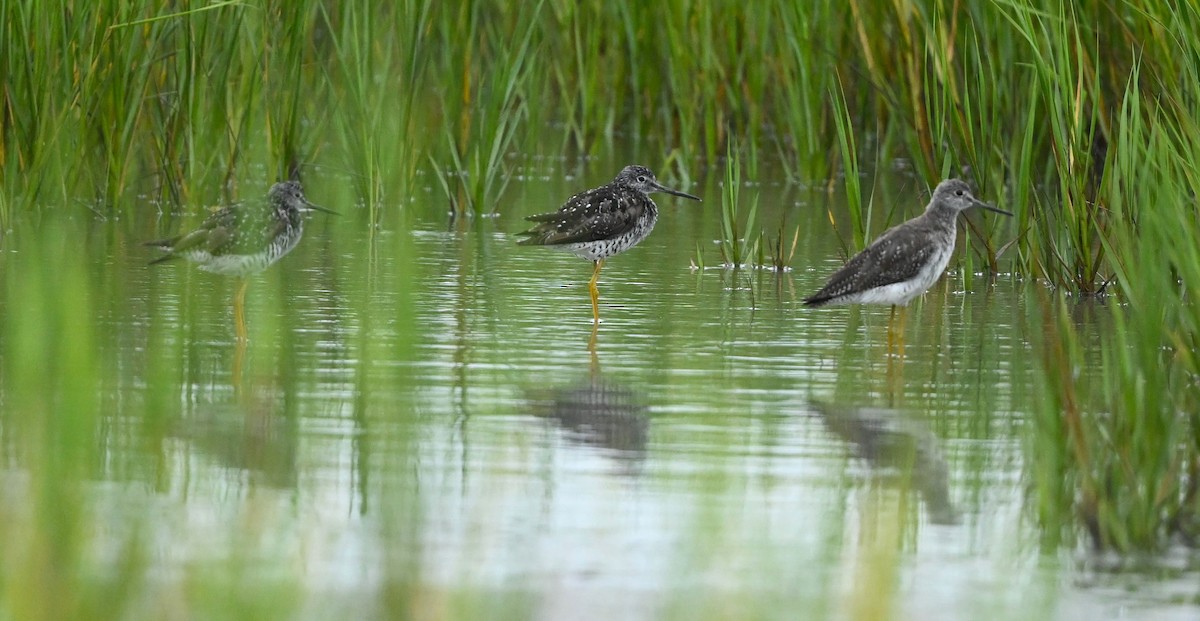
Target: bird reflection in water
point(255, 436)
point(597, 412)
point(887, 439)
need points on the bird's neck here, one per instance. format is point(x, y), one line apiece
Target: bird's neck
point(292, 216)
point(943, 215)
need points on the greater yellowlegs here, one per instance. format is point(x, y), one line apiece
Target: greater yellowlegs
point(905, 260)
point(599, 223)
point(239, 241)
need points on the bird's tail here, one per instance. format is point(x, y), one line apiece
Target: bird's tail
point(529, 238)
point(167, 244)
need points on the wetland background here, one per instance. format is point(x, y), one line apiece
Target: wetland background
point(417, 427)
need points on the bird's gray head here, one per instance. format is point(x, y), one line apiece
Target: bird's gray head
point(641, 179)
point(289, 195)
point(956, 194)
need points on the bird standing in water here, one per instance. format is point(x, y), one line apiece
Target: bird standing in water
point(240, 241)
point(905, 260)
point(601, 222)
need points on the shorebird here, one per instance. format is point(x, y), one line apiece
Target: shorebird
point(905, 260)
point(601, 222)
point(240, 241)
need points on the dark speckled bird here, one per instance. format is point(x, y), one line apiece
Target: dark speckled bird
point(905, 260)
point(599, 223)
point(239, 240)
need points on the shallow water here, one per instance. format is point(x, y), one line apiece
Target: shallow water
point(421, 420)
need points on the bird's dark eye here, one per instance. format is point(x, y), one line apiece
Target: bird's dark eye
point(959, 193)
point(642, 178)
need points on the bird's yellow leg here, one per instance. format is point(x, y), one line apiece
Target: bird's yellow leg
point(595, 292)
point(239, 311)
point(592, 344)
point(891, 330)
point(239, 354)
point(900, 333)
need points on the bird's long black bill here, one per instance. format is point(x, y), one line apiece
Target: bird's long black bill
point(992, 208)
point(677, 193)
point(321, 209)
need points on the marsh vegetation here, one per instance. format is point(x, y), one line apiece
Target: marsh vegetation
point(809, 127)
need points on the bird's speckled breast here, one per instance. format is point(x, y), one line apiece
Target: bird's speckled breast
point(602, 249)
point(246, 264)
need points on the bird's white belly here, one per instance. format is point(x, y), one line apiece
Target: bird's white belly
point(233, 265)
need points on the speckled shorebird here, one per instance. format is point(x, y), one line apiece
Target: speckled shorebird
point(905, 260)
point(240, 241)
point(599, 223)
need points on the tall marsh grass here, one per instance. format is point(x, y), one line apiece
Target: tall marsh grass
point(486, 100)
point(738, 246)
point(115, 96)
point(1118, 442)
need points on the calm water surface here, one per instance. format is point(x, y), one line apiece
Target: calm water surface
point(418, 421)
